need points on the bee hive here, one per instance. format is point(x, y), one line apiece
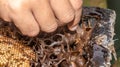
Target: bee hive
point(90, 45)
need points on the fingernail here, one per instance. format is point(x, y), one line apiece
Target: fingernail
point(73, 28)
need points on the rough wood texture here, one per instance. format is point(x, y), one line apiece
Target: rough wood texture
point(90, 45)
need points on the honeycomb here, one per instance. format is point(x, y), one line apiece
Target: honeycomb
point(90, 45)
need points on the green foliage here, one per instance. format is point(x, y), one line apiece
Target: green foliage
point(96, 3)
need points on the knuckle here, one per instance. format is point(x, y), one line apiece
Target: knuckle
point(17, 6)
point(50, 28)
point(77, 4)
point(68, 17)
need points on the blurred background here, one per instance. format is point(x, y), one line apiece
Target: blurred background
point(114, 5)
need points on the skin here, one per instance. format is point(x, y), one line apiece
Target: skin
point(33, 16)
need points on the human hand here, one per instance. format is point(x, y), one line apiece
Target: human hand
point(31, 16)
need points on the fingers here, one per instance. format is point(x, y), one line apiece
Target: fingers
point(44, 15)
point(26, 23)
point(31, 16)
point(73, 25)
point(77, 5)
point(5, 17)
point(63, 10)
